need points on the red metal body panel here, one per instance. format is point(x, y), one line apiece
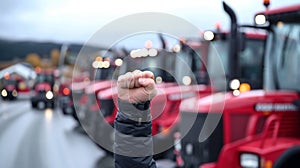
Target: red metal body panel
point(77, 86)
point(96, 86)
point(165, 105)
point(42, 86)
point(280, 127)
point(281, 10)
point(244, 104)
point(92, 89)
point(253, 35)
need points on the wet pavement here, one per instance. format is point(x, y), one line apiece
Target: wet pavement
point(33, 138)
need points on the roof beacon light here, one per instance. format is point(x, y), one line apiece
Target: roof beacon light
point(266, 3)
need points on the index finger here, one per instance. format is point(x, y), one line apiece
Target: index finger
point(146, 74)
point(137, 74)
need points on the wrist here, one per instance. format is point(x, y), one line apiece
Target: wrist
point(139, 112)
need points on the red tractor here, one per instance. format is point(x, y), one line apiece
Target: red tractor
point(164, 106)
point(13, 85)
point(259, 128)
point(9, 89)
point(84, 93)
point(44, 94)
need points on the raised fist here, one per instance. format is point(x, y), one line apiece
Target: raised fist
point(136, 86)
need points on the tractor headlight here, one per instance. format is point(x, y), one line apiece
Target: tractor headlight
point(248, 160)
point(15, 93)
point(4, 93)
point(186, 80)
point(260, 19)
point(234, 84)
point(208, 35)
point(49, 95)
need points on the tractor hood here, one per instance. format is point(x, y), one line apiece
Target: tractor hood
point(257, 100)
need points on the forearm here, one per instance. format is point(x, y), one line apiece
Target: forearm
point(133, 140)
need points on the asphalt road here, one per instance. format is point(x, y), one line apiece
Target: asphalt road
point(31, 138)
point(43, 139)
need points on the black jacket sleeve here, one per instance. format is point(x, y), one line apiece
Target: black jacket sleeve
point(133, 140)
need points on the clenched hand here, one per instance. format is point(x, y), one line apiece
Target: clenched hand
point(136, 86)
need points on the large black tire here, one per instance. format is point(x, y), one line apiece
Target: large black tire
point(41, 105)
point(33, 105)
point(289, 158)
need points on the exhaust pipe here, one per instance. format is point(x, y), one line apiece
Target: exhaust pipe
point(234, 45)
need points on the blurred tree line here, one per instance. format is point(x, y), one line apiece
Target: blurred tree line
point(42, 54)
point(35, 60)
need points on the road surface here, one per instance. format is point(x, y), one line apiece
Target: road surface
point(41, 139)
point(32, 138)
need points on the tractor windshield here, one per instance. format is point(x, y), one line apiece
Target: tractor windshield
point(283, 57)
point(45, 78)
point(218, 53)
point(250, 61)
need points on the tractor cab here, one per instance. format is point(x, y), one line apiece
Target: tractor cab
point(44, 96)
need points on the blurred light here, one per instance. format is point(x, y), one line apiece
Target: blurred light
point(152, 52)
point(106, 59)
point(56, 73)
point(48, 114)
point(186, 80)
point(144, 52)
point(218, 26)
point(38, 69)
point(4, 93)
point(22, 85)
point(189, 148)
point(236, 92)
point(165, 131)
point(176, 48)
point(148, 44)
point(266, 3)
point(268, 164)
point(249, 160)
point(100, 64)
point(234, 84)
point(118, 62)
point(260, 19)
point(105, 64)
point(6, 76)
point(55, 88)
point(15, 93)
point(96, 64)
point(182, 40)
point(208, 35)
point(158, 79)
point(134, 53)
point(66, 91)
point(49, 95)
point(245, 87)
point(98, 58)
point(280, 24)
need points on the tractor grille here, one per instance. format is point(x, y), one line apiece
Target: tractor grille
point(290, 125)
point(194, 152)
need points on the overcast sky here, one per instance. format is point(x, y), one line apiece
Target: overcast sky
point(79, 20)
